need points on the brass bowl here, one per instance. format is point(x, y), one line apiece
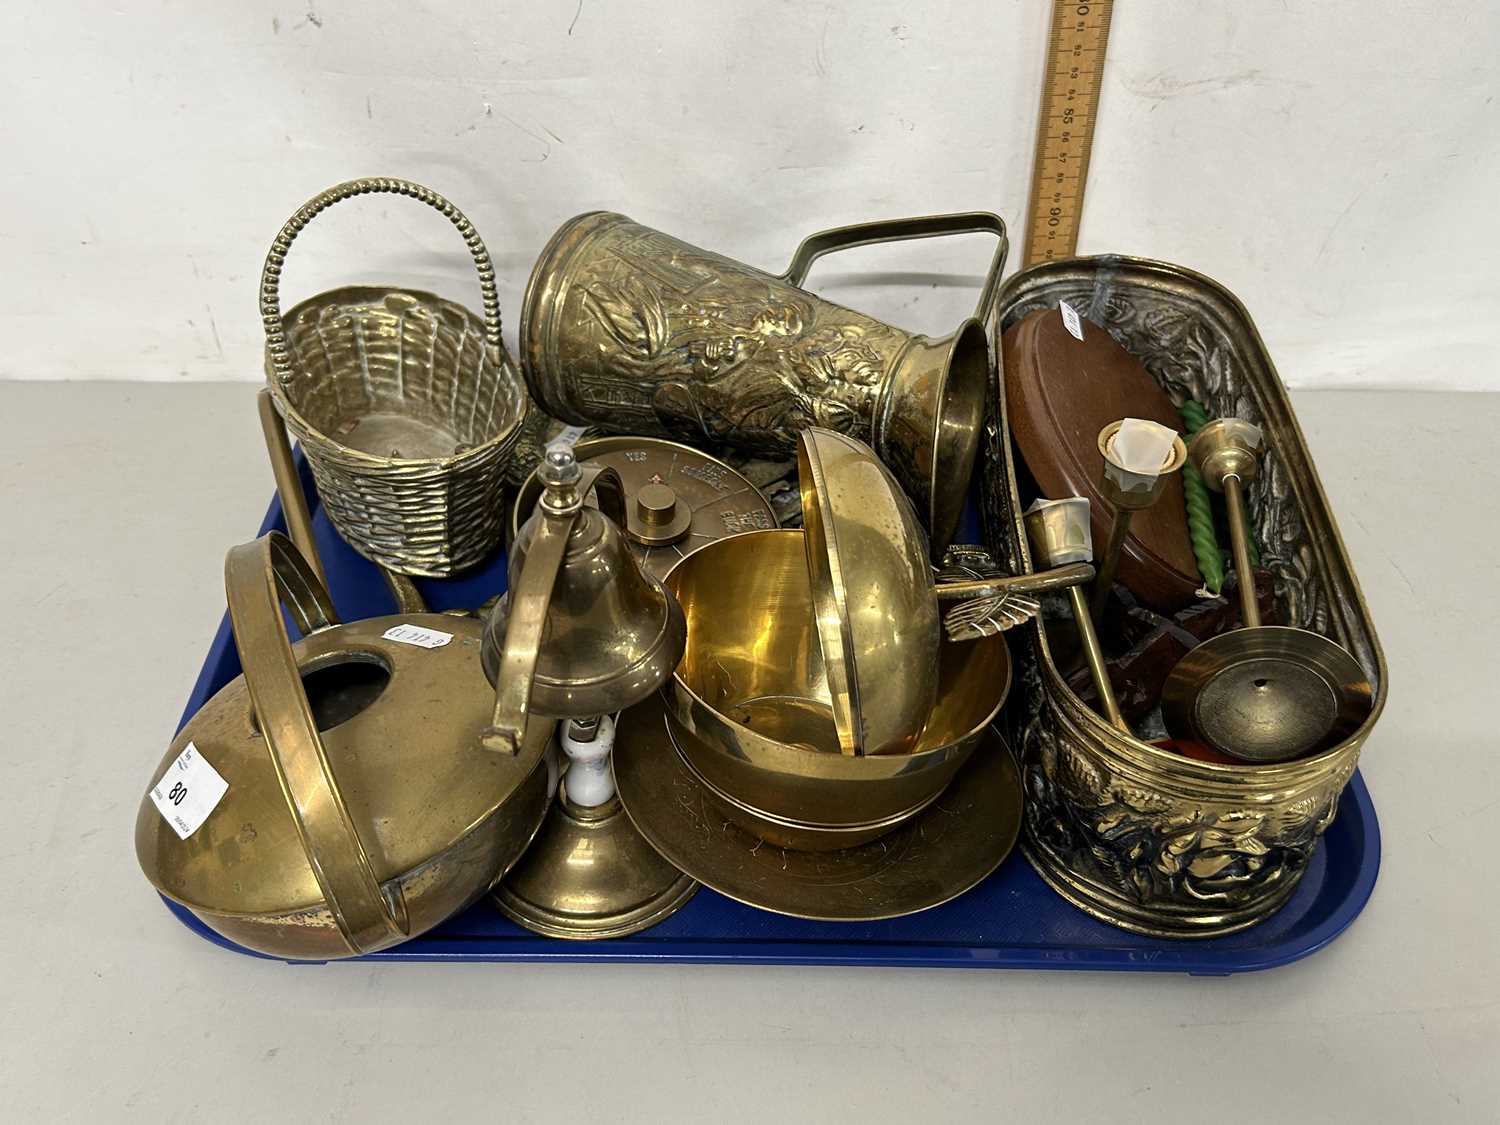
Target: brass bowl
point(749, 704)
point(872, 592)
point(782, 832)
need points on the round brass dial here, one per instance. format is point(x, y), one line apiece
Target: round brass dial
point(676, 497)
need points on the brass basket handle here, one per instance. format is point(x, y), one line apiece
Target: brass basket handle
point(270, 277)
point(814, 246)
point(557, 512)
point(258, 577)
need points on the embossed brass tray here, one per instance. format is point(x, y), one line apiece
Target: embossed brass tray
point(1010, 920)
point(1137, 836)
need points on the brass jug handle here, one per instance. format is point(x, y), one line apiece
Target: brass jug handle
point(258, 578)
point(278, 354)
point(557, 512)
point(814, 246)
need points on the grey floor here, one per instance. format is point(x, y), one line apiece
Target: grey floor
point(117, 503)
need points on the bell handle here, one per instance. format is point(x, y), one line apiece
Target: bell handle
point(608, 489)
point(1041, 582)
point(258, 578)
point(531, 596)
point(814, 246)
point(279, 355)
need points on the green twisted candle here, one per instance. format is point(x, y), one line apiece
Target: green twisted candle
point(1200, 513)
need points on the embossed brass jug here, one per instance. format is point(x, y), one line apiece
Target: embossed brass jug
point(631, 330)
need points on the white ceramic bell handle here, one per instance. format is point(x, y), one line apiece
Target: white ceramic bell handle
point(588, 743)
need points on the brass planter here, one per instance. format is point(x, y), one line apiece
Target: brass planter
point(633, 331)
point(1137, 836)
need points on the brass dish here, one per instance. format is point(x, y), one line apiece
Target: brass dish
point(705, 498)
point(360, 810)
point(936, 856)
point(631, 330)
point(750, 704)
point(1134, 834)
point(407, 406)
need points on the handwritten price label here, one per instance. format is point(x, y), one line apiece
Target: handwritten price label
point(188, 792)
point(416, 635)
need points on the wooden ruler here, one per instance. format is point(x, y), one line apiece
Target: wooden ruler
point(1070, 104)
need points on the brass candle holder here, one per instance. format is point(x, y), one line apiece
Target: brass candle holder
point(1060, 534)
point(1260, 693)
point(1129, 490)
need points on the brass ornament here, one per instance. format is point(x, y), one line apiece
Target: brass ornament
point(937, 855)
point(631, 330)
point(360, 809)
point(583, 631)
point(1135, 835)
point(708, 499)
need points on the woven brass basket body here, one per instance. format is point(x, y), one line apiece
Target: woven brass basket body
point(407, 405)
point(1137, 836)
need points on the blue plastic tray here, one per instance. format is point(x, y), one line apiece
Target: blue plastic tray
point(1012, 920)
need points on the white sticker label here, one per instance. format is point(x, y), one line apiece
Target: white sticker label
point(416, 635)
point(570, 435)
point(1071, 320)
point(188, 792)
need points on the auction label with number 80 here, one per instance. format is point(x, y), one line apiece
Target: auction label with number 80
point(188, 792)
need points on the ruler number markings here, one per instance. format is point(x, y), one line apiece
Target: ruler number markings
point(1076, 44)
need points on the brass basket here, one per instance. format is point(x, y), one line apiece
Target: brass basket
point(1135, 835)
point(407, 406)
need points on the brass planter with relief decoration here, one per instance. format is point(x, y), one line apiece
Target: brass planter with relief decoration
point(1134, 834)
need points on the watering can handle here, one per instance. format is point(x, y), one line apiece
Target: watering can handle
point(258, 578)
point(278, 354)
point(814, 246)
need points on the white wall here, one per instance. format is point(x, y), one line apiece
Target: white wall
point(1334, 163)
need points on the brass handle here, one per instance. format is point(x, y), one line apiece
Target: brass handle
point(1038, 582)
point(532, 595)
point(270, 277)
point(258, 578)
point(288, 483)
point(814, 246)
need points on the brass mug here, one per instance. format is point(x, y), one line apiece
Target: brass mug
point(633, 331)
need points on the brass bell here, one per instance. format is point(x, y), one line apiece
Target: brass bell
point(583, 632)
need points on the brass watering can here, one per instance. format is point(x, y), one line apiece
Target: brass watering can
point(351, 806)
point(633, 331)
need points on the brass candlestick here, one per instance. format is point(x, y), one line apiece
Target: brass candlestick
point(1060, 534)
point(1260, 693)
point(1129, 490)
